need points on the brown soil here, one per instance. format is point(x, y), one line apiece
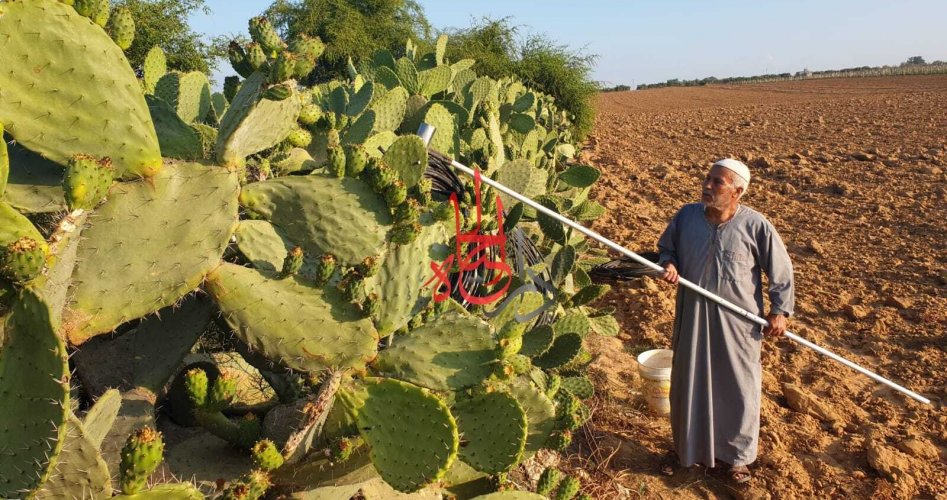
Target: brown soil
point(851, 172)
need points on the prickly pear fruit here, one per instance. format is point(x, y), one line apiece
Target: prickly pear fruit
point(22, 260)
point(559, 440)
point(408, 211)
point(510, 339)
point(568, 487)
point(553, 382)
point(250, 486)
point(299, 138)
point(371, 305)
point(249, 429)
point(566, 404)
point(329, 123)
point(307, 50)
point(122, 27)
point(266, 455)
point(309, 114)
point(381, 177)
point(239, 60)
point(86, 181)
point(355, 160)
point(443, 211)
point(369, 266)
point(405, 232)
point(282, 69)
point(548, 481)
point(422, 191)
point(101, 13)
point(263, 33)
point(352, 287)
point(325, 269)
point(231, 86)
point(292, 263)
point(255, 56)
point(196, 385)
point(277, 92)
point(341, 450)
point(222, 392)
point(140, 457)
point(336, 164)
point(396, 193)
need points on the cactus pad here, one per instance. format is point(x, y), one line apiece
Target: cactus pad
point(389, 109)
point(580, 386)
point(62, 98)
point(154, 67)
point(177, 139)
point(494, 428)
point(400, 281)
point(564, 350)
point(169, 491)
point(537, 341)
point(323, 214)
point(187, 93)
point(192, 207)
point(521, 176)
point(80, 471)
point(573, 322)
point(306, 328)
point(252, 124)
point(408, 157)
point(407, 460)
point(605, 325)
point(445, 133)
point(540, 412)
point(511, 495)
point(34, 395)
point(450, 353)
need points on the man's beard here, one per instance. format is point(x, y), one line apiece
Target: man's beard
point(713, 203)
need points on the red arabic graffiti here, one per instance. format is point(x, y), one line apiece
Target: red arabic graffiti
point(477, 255)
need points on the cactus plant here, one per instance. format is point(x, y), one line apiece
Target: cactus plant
point(325, 262)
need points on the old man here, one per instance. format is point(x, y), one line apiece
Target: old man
point(722, 246)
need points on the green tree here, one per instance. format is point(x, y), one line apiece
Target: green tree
point(914, 61)
point(350, 28)
point(164, 23)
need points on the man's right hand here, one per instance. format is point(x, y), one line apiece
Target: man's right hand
point(670, 273)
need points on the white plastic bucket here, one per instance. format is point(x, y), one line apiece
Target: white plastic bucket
point(655, 368)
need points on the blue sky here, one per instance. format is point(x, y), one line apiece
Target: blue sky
point(647, 42)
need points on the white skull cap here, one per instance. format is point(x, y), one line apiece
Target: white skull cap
point(735, 166)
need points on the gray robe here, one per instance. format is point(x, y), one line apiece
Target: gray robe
point(716, 372)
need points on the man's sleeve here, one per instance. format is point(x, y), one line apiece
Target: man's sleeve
point(778, 268)
point(667, 244)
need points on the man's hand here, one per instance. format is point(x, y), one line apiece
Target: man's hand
point(777, 325)
point(670, 273)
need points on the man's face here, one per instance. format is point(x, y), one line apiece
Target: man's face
point(718, 190)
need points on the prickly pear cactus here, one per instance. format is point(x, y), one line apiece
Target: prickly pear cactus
point(406, 461)
point(192, 206)
point(34, 393)
point(98, 108)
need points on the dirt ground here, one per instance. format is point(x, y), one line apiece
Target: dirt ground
point(852, 174)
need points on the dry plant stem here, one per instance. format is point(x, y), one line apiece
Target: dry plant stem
point(315, 409)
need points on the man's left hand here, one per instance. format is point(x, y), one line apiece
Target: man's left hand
point(777, 325)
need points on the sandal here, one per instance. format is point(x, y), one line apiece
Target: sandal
point(740, 474)
point(669, 463)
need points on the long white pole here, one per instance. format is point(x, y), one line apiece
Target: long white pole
point(683, 282)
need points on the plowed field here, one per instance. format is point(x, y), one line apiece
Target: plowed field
point(852, 174)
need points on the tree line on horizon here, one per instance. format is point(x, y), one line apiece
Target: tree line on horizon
point(915, 65)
